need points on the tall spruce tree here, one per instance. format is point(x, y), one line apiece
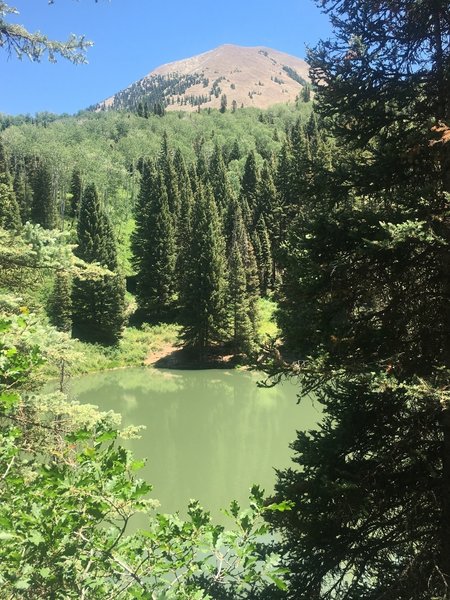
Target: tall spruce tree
point(147, 192)
point(156, 281)
point(43, 211)
point(367, 296)
point(184, 229)
point(167, 167)
point(242, 287)
point(9, 208)
point(203, 296)
point(218, 179)
point(269, 207)
point(98, 305)
point(265, 265)
point(60, 303)
point(76, 191)
point(249, 186)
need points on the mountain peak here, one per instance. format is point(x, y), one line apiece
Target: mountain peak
point(247, 76)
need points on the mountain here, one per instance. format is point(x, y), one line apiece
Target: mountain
point(247, 76)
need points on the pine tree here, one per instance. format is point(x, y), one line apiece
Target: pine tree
point(184, 229)
point(166, 166)
point(98, 305)
point(142, 210)
point(156, 275)
point(242, 287)
point(60, 304)
point(43, 210)
point(223, 103)
point(235, 153)
point(76, 191)
point(250, 183)
point(9, 209)
point(201, 169)
point(217, 177)
point(265, 265)
point(366, 295)
point(203, 296)
point(267, 194)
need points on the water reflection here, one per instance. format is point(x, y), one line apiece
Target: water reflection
point(209, 434)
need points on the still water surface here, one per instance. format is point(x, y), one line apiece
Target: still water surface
point(210, 434)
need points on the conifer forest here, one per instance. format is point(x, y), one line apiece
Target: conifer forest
point(308, 242)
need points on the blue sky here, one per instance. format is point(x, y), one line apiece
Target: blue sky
point(132, 37)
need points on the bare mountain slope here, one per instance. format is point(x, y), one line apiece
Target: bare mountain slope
point(256, 76)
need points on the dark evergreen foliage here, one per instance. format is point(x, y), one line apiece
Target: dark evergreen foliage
point(60, 303)
point(43, 211)
point(156, 274)
point(9, 208)
point(76, 191)
point(98, 305)
point(217, 177)
point(242, 286)
point(366, 295)
point(203, 297)
point(249, 185)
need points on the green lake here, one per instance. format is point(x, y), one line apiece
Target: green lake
point(210, 434)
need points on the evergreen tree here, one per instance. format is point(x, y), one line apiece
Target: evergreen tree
point(250, 183)
point(156, 276)
point(147, 192)
point(201, 169)
point(43, 210)
point(242, 287)
point(265, 265)
point(203, 295)
point(267, 194)
point(9, 209)
point(366, 295)
point(184, 229)
point(235, 153)
point(60, 304)
point(76, 191)
point(305, 94)
point(218, 179)
point(166, 166)
point(223, 103)
point(300, 166)
point(98, 305)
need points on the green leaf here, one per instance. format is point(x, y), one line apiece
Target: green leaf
point(22, 584)
point(278, 582)
point(36, 538)
point(136, 465)
point(9, 400)
point(45, 572)
point(106, 436)
point(78, 436)
point(281, 506)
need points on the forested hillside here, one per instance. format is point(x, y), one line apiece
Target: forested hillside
point(148, 202)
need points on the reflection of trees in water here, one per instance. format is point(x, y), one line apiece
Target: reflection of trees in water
point(209, 434)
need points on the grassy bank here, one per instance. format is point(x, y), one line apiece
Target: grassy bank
point(133, 349)
point(137, 345)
